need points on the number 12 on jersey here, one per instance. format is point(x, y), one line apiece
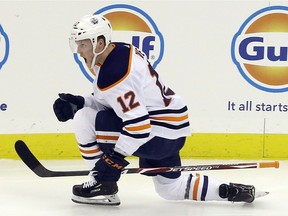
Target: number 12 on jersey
point(128, 102)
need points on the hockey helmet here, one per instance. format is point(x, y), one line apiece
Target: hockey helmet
point(91, 27)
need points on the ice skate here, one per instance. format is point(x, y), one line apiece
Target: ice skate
point(94, 193)
point(259, 194)
point(238, 192)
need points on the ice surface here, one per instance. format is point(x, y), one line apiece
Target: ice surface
point(22, 193)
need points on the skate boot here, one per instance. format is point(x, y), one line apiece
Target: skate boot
point(237, 192)
point(95, 193)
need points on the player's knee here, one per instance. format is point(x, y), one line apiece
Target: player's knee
point(170, 189)
point(84, 125)
point(86, 114)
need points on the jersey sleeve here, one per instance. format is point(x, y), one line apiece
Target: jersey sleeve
point(92, 103)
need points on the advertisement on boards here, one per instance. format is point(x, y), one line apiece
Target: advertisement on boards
point(227, 59)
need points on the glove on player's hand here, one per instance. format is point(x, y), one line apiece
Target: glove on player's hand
point(109, 167)
point(67, 105)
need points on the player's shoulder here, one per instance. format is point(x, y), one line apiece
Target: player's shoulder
point(116, 66)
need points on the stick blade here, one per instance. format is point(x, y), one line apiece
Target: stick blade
point(29, 159)
point(34, 164)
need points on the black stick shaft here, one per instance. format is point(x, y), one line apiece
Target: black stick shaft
point(34, 164)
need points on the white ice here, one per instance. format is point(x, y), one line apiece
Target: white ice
point(22, 193)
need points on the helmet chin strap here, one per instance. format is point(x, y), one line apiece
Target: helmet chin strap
point(93, 60)
point(97, 54)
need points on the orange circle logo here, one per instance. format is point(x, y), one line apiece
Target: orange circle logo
point(260, 49)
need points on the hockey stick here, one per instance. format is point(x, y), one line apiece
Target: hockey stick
point(34, 164)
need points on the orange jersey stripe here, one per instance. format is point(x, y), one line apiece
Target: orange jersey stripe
point(137, 128)
point(196, 186)
point(175, 119)
point(106, 137)
point(90, 151)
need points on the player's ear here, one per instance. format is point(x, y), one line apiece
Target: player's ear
point(101, 42)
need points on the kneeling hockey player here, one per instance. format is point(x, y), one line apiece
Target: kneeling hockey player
point(131, 112)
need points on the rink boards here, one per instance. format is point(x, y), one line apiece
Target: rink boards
point(227, 59)
point(206, 146)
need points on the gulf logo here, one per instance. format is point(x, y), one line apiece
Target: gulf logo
point(4, 47)
point(260, 49)
point(131, 25)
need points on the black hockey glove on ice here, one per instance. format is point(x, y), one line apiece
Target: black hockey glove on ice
point(109, 167)
point(67, 105)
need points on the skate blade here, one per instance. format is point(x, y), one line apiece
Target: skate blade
point(111, 200)
point(259, 194)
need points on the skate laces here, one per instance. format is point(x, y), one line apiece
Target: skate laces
point(89, 184)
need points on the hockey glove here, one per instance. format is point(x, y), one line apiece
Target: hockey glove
point(109, 167)
point(67, 105)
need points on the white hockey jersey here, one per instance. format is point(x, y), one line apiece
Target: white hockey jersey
point(128, 84)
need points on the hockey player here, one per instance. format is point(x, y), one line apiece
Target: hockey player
point(131, 112)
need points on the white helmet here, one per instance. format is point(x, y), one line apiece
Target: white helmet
point(91, 27)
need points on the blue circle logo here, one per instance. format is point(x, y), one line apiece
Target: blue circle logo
point(260, 49)
point(4, 47)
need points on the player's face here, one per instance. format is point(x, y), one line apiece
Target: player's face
point(85, 50)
